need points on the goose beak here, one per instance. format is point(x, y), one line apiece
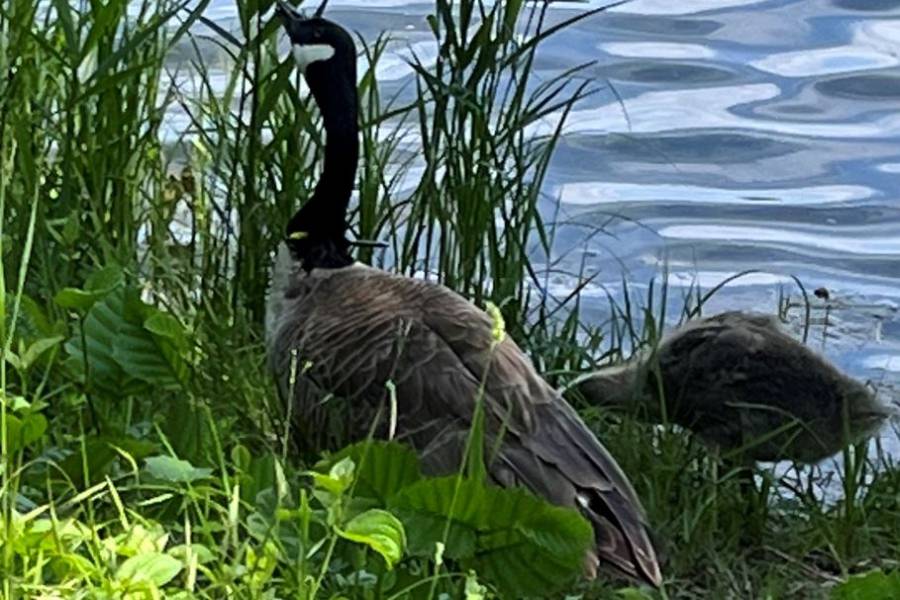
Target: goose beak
point(285, 11)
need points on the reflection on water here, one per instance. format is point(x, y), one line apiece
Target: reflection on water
point(751, 135)
point(878, 86)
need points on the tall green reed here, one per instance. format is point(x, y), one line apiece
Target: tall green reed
point(474, 212)
point(82, 106)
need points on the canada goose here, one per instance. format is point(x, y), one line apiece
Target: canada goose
point(349, 331)
point(739, 382)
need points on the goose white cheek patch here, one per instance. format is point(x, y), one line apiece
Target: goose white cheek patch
point(307, 54)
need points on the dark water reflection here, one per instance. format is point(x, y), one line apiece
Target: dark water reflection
point(869, 5)
point(885, 86)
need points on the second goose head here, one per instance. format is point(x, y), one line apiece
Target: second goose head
point(326, 55)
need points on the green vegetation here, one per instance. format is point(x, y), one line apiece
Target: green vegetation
point(139, 429)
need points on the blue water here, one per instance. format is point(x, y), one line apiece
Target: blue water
point(751, 135)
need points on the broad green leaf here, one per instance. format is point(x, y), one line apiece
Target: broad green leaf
point(145, 358)
point(72, 565)
point(188, 430)
point(98, 285)
point(240, 457)
point(34, 320)
point(99, 453)
point(339, 477)
point(326, 483)
point(76, 299)
point(633, 593)
point(383, 468)
point(33, 427)
point(71, 228)
point(167, 326)
point(518, 542)
point(14, 360)
point(474, 590)
point(36, 349)
point(204, 555)
point(427, 528)
point(259, 476)
point(381, 531)
point(141, 540)
point(14, 402)
point(260, 566)
point(342, 471)
point(104, 280)
point(123, 357)
point(874, 585)
point(155, 567)
point(173, 469)
point(152, 358)
point(103, 327)
point(65, 535)
point(24, 430)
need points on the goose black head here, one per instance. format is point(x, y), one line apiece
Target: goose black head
point(323, 50)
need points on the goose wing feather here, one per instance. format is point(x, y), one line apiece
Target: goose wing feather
point(715, 368)
point(750, 384)
point(357, 328)
point(547, 447)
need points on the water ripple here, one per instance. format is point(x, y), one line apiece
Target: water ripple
point(596, 192)
point(856, 241)
point(657, 50)
point(711, 108)
point(825, 61)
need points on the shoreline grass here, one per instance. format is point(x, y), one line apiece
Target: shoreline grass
point(140, 435)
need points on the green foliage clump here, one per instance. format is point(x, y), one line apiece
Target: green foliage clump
point(517, 542)
point(869, 586)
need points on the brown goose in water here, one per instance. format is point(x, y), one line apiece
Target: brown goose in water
point(343, 330)
point(739, 382)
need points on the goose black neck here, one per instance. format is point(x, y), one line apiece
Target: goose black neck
point(341, 152)
point(323, 219)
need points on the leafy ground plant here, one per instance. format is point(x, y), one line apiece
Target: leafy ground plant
point(519, 544)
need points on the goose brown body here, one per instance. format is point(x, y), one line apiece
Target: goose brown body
point(342, 334)
point(738, 381)
point(350, 331)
